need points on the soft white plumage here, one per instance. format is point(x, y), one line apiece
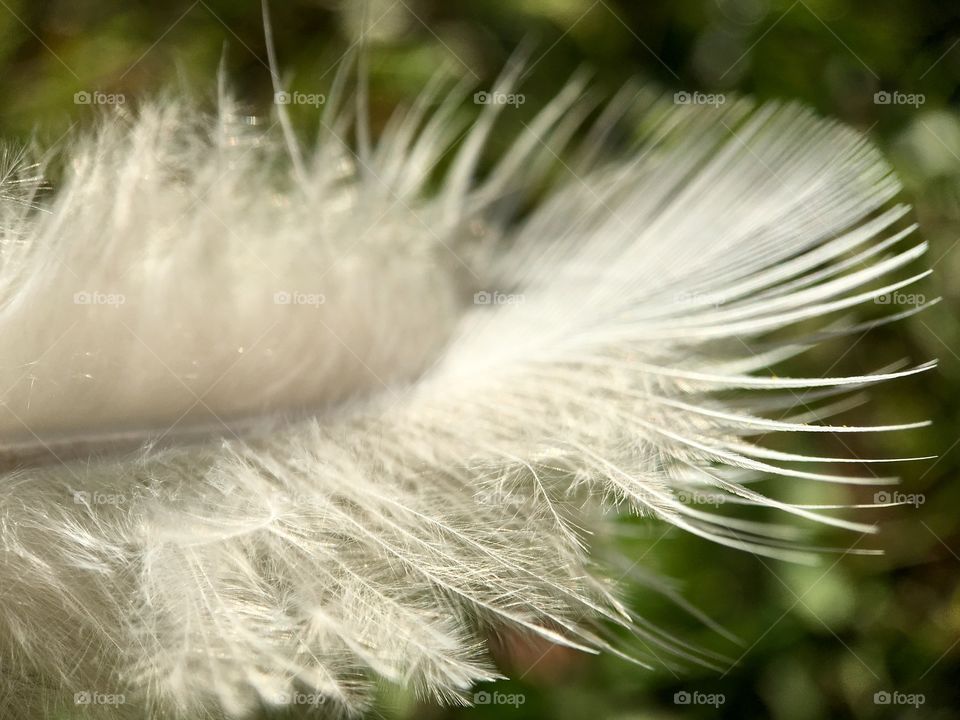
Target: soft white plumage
point(355, 422)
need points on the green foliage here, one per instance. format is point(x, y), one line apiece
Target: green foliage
point(817, 642)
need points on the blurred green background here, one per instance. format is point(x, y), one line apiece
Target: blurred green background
point(817, 642)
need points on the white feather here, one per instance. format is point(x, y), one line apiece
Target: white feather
point(359, 483)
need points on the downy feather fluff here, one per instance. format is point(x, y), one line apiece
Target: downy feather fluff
point(285, 420)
